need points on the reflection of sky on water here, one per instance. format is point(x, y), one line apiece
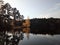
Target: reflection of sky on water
point(40, 40)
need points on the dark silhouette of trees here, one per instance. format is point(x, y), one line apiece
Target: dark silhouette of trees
point(43, 25)
point(9, 15)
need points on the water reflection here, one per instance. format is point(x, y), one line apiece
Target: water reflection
point(24, 37)
point(11, 39)
point(40, 39)
point(27, 31)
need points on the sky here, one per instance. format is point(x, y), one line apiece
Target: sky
point(37, 8)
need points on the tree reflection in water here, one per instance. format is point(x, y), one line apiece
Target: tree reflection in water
point(27, 31)
point(11, 39)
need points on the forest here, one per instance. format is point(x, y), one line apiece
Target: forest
point(45, 26)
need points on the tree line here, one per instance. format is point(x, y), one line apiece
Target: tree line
point(44, 26)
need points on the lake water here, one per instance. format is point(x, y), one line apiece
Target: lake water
point(29, 38)
point(39, 39)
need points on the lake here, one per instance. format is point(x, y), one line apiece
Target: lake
point(40, 39)
point(25, 37)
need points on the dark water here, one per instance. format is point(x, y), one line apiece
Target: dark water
point(39, 39)
point(28, 38)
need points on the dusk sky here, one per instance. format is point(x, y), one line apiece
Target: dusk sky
point(37, 8)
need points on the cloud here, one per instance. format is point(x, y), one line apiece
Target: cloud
point(55, 7)
point(53, 12)
point(58, 4)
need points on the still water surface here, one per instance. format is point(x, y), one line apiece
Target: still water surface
point(39, 39)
